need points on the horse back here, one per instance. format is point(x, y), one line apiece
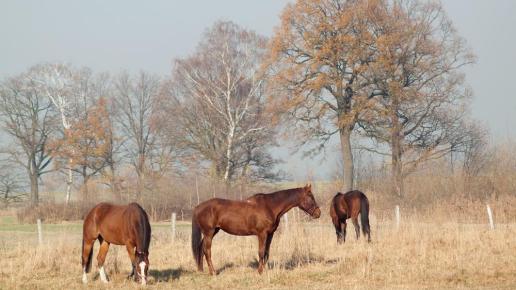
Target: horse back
point(353, 200)
point(339, 207)
point(117, 223)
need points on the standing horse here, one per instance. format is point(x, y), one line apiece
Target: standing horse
point(259, 215)
point(120, 225)
point(349, 205)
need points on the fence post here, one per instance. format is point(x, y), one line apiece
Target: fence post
point(397, 211)
point(173, 220)
point(490, 216)
point(40, 233)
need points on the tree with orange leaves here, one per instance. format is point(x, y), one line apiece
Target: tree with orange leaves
point(317, 57)
point(88, 143)
point(422, 114)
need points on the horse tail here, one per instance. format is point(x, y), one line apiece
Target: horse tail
point(333, 206)
point(87, 264)
point(196, 242)
point(364, 215)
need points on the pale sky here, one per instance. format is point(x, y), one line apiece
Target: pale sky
point(133, 35)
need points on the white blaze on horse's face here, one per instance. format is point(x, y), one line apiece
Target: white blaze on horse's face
point(142, 273)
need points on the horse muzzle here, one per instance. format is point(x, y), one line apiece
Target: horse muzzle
point(316, 213)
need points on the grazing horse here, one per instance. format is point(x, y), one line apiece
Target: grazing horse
point(349, 205)
point(120, 225)
point(259, 215)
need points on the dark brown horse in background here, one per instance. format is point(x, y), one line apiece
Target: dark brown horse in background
point(349, 205)
point(258, 215)
point(119, 225)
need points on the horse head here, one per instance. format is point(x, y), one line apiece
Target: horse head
point(308, 203)
point(142, 267)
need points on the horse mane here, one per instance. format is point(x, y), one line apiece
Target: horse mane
point(276, 196)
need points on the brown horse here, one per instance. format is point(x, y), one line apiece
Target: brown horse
point(259, 215)
point(120, 225)
point(349, 205)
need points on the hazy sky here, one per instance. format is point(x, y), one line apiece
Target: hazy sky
point(133, 35)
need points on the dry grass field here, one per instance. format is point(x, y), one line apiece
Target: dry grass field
point(304, 255)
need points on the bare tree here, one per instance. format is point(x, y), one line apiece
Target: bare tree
point(28, 117)
point(56, 82)
point(136, 100)
point(10, 186)
point(219, 100)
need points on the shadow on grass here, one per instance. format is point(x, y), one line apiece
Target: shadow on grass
point(225, 267)
point(168, 274)
point(295, 261)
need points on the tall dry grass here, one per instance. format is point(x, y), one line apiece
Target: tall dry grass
point(418, 255)
point(443, 240)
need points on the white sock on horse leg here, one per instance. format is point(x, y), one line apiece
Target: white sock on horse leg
point(102, 274)
point(84, 277)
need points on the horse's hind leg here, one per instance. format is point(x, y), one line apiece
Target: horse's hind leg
point(357, 226)
point(338, 229)
point(101, 258)
point(87, 251)
point(343, 227)
point(206, 247)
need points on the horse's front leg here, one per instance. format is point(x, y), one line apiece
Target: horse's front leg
point(130, 250)
point(268, 246)
point(261, 251)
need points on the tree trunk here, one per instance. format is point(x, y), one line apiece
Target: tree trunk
point(397, 169)
point(396, 152)
point(85, 184)
point(34, 187)
point(140, 171)
point(69, 182)
point(229, 155)
point(115, 190)
point(347, 158)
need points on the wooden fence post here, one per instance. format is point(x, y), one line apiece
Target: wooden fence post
point(173, 221)
point(397, 212)
point(40, 233)
point(490, 216)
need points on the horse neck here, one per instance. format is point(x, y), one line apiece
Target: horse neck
point(288, 200)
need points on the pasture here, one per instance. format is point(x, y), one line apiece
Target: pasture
point(303, 255)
